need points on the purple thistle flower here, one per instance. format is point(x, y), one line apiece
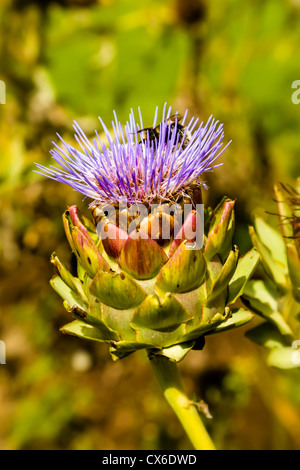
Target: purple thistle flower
point(137, 164)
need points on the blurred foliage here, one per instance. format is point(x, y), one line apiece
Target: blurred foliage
point(275, 293)
point(77, 59)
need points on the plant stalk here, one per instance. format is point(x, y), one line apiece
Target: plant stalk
point(168, 377)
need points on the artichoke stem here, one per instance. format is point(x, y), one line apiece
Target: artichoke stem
point(168, 377)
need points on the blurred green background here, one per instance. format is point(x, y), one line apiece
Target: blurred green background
point(78, 59)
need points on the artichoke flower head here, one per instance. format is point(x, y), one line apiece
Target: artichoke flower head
point(155, 270)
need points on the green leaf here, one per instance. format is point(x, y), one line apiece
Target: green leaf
point(196, 328)
point(284, 358)
point(142, 257)
point(274, 269)
point(272, 240)
point(83, 330)
point(119, 320)
point(72, 282)
point(117, 290)
point(160, 313)
point(192, 301)
point(160, 321)
point(87, 253)
point(117, 354)
point(183, 272)
point(215, 214)
point(227, 244)
point(222, 281)
point(214, 269)
point(218, 230)
point(160, 339)
point(175, 353)
point(122, 349)
point(71, 297)
point(92, 318)
point(245, 269)
point(266, 334)
point(263, 300)
point(239, 317)
point(92, 231)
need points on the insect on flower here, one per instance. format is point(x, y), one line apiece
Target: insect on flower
point(123, 167)
point(183, 135)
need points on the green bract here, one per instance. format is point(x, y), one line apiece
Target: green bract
point(132, 293)
point(276, 295)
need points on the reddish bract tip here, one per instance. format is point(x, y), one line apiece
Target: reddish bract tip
point(113, 239)
point(187, 231)
point(74, 215)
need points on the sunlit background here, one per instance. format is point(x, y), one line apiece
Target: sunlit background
point(78, 59)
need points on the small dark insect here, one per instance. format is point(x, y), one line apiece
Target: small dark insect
point(154, 132)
